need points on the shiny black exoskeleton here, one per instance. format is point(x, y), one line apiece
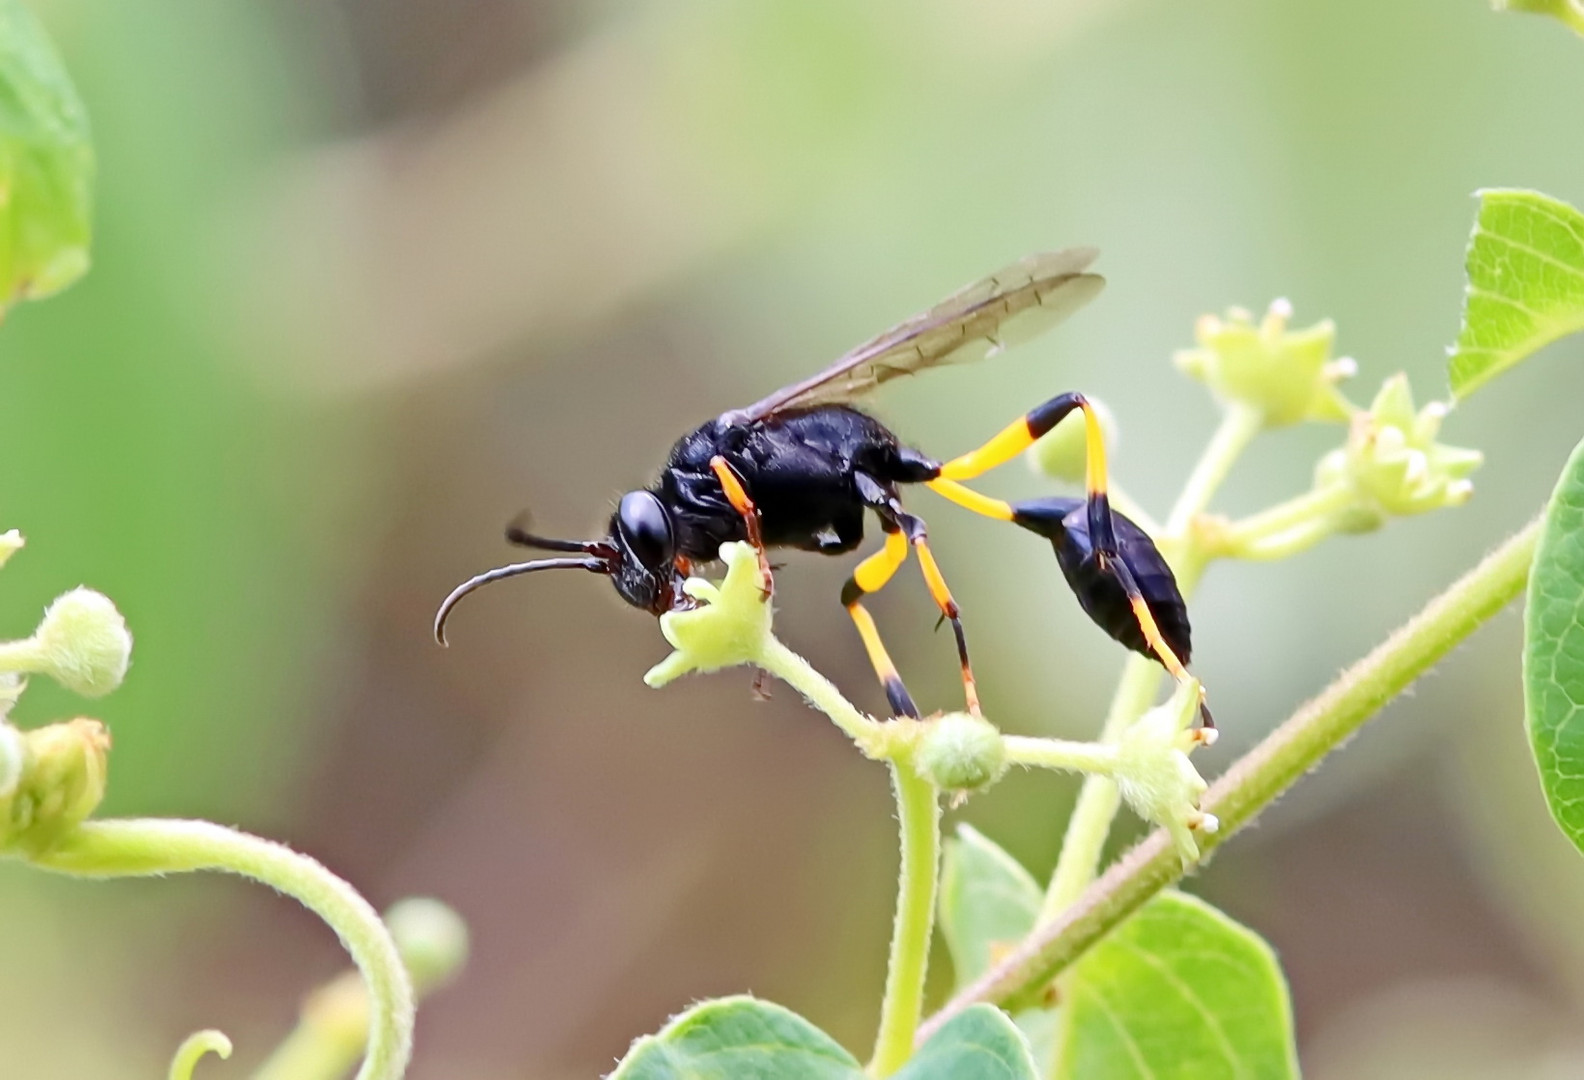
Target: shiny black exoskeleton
point(1065, 523)
point(813, 473)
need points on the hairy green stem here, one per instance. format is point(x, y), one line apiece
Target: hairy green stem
point(1290, 751)
point(1287, 528)
point(918, 811)
point(1064, 754)
point(799, 674)
point(141, 847)
point(1099, 799)
point(1239, 424)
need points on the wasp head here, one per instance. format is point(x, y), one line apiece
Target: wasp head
point(638, 555)
point(643, 538)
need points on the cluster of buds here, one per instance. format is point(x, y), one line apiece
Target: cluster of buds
point(1392, 462)
point(1287, 376)
point(53, 777)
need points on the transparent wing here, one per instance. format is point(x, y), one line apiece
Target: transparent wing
point(1018, 303)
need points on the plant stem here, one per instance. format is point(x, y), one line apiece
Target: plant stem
point(786, 665)
point(1261, 775)
point(1098, 799)
point(1061, 754)
point(140, 847)
point(1239, 424)
point(918, 811)
point(1287, 528)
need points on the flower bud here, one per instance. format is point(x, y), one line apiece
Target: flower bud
point(13, 760)
point(1392, 461)
point(1155, 776)
point(432, 940)
point(10, 543)
point(1062, 453)
point(82, 643)
point(63, 781)
point(11, 687)
point(1287, 375)
point(730, 626)
point(960, 752)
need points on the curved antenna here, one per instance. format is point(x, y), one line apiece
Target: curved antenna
point(595, 565)
point(517, 533)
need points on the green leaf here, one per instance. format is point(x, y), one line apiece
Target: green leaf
point(1569, 12)
point(46, 164)
point(987, 902)
point(738, 1038)
point(1553, 669)
point(979, 1043)
point(1525, 284)
point(1177, 991)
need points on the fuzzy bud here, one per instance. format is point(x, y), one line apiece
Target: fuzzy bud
point(960, 752)
point(10, 543)
point(13, 760)
point(432, 940)
point(82, 643)
point(1155, 776)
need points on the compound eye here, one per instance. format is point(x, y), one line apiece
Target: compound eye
point(646, 528)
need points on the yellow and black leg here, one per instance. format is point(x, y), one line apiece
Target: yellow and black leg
point(871, 576)
point(889, 508)
point(1018, 437)
point(737, 495)
point(948, 606)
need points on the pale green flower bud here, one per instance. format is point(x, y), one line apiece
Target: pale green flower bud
point(960, 752)
point(1392, 461)
point(731, 626)
point(82, 643)
point(11, 687)
point(1286, 375)
point(10, 543)
point(432, 940)
point(13, 760)
point(63, 781)
point(1062, 453)
point(1154, 774)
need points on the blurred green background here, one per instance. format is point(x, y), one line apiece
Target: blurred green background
point(371, 277)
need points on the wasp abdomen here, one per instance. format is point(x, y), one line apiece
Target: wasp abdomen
point(1064, 522)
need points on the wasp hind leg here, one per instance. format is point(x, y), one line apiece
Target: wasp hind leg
point(1017, 437)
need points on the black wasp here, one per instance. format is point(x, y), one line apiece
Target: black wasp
point(801, 468)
